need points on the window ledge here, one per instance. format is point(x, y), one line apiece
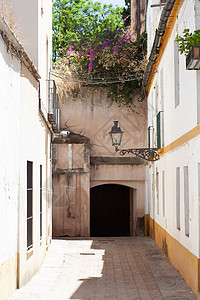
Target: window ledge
point(29, 253)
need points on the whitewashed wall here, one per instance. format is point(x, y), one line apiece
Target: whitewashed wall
point(9, 152)
point(177, 122)
point(44, 47)
point(152, 20)
point(24, 136)
point(34, 19)
point(33, 147)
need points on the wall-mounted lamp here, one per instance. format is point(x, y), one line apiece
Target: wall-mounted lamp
point(116, 134)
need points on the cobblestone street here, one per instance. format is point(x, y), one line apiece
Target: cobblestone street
point(105, 268)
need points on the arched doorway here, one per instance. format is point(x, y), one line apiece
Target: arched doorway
point(110, 210)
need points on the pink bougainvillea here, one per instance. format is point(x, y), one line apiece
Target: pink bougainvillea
point(116, 49)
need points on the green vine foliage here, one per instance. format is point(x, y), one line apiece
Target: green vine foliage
point(131, 65)
point(95, 47)
point(81, 21)
point(114, 62)
point(187, 40)
point(126, 13)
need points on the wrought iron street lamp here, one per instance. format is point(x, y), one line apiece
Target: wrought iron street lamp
point(116, 134)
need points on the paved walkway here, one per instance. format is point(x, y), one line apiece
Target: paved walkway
point(105, 268)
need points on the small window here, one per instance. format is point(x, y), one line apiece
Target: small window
point(150, 137)
point(157, 186)
point(199, 190)
point(29, 204)
point(178, 210)
point(186, 200)
point(40, 201)
point(176, 74)
point(199, 182)
point(163, 192)
point(160, 130)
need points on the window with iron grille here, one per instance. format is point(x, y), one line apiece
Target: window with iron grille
point(40, 201)
point(176, 74)
point(29, 204)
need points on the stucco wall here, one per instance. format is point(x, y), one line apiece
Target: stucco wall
point(138, 14)
point(92, 115)
point(35, 147)
point(173, 182)
point(178, 121)
point(24, 136)
point(37, 38)
point(152, 21)
point(44, 48)
point(25, 13)
point(9, 171)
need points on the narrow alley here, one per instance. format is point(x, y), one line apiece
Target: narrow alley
point(105, 268)
point(100, 149)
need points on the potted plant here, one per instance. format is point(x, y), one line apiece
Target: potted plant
point(189, 44)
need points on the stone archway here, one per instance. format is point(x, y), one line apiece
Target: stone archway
point(110, 208)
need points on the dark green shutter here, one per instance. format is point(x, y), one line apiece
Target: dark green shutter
point(158, 131)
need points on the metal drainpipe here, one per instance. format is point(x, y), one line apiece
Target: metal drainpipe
point(157, 43)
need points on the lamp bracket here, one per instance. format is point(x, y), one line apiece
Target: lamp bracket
point(149, 154)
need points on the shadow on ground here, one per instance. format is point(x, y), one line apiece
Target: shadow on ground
point(132, 268)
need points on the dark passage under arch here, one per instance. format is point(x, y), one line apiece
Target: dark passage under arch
point(110, 210)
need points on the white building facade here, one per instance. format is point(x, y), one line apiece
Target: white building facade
point(173, 96)
point(25, 151)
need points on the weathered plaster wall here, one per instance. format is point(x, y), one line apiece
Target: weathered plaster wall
point(25, 13)
point(138, 14)
point(152, 20)
point(44, 48)
point(37, 38)
point(71, 205)
point(24, 136)
point(9, 171)
point(92, 115)
point(35, 147)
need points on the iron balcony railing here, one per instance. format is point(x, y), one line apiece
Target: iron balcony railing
point(53, 108)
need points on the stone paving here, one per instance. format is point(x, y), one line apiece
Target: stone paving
point(105, 268)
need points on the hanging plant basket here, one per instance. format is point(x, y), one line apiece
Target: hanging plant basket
point(193, 58)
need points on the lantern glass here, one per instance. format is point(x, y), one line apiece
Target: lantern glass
point(116, 134)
